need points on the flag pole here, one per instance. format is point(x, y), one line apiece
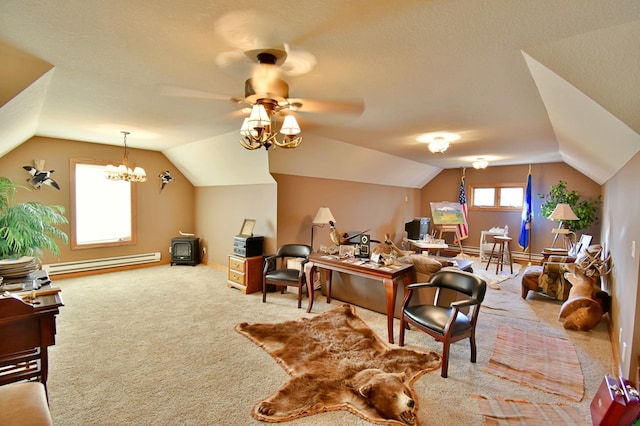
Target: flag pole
point(530, 225)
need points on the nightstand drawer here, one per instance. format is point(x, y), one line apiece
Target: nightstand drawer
point(237, 264)
point(236, 277)
point(245, 273)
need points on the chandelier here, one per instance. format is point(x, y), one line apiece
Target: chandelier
point(124, 171)
point(257, 130)
point(438, 145)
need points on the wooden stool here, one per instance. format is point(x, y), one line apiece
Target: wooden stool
point(502, 242)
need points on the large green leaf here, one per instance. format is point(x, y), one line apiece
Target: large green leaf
point(27, 229)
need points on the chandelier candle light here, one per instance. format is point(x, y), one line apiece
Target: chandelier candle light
point(124, 171)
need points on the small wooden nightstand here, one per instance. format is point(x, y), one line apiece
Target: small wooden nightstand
point(245, 273)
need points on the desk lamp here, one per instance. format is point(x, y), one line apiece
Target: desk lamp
point(322, 218)
point(562, 212)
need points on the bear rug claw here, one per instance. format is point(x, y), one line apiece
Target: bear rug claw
point(336, 362)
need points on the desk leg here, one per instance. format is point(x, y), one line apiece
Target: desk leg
point(328, 276)
point(309, 271)
point(390, 288)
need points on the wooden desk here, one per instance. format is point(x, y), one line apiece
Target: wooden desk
point(26, 331)
point(388, 275)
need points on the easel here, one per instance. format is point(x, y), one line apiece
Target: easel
point(452, 229)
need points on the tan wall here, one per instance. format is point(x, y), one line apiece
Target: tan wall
point(621, 228)
point(446, 186)
point(221, 210)
point(160, 214)
point(355, 206)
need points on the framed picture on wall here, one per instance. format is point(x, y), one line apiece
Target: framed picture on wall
point(447, 213)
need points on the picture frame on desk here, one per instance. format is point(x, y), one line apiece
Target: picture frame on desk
point(347, 251)
point(247, 228)
point(581, 245)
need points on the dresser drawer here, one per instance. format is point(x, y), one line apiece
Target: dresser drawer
point(236, 277)
point(237, 264)
point(245, 273)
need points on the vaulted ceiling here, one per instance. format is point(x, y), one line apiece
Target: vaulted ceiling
point(520, 82)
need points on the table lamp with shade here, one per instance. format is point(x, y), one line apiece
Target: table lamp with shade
point(563, 212)
point(322, 218)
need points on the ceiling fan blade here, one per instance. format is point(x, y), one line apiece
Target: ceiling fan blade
point(328, 106)
point(183, 92)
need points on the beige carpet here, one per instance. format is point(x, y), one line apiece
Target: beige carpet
point(156, 346)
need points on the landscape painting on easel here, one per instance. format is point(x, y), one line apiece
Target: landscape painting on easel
point(447, 213)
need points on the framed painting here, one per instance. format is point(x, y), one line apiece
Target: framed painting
point(447, 213)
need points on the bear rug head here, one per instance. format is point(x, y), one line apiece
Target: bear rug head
point(336, 362)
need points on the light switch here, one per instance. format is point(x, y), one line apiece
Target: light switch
point(633, 249)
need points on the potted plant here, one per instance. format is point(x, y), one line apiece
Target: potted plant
point(27, 229)
point(586, 210)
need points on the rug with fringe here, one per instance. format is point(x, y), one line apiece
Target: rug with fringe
point(504, 412)
point(544, 362)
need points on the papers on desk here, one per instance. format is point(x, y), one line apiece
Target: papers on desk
point(355, 261)
point(15, 268)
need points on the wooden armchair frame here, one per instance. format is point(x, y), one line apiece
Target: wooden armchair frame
point(447, 324)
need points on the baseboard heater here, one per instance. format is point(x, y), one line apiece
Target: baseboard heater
point(107, 262)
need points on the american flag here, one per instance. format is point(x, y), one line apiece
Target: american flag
point(463, 229)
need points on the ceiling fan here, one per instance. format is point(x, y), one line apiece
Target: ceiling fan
point(267, 96)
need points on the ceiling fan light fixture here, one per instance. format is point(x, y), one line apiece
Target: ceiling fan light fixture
point(259, 118)
point(438, 145)
point(256, 131)
point(244, 129)
point(480, 163)
point(290, 126)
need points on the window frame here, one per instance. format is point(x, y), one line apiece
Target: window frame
point(496, 201)
point(74, 243)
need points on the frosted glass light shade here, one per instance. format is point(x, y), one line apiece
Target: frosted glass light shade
point(290, 126)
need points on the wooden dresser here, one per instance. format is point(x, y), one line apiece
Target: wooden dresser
point(245, 273)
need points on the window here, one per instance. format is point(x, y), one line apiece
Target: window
point(102, 210)
point(497, 197)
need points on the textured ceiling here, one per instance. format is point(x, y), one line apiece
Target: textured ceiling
point(520, 81)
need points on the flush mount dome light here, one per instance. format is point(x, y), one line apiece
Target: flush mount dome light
point(480, 163)
point(438, 141)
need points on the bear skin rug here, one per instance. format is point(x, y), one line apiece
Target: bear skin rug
point(336, 362)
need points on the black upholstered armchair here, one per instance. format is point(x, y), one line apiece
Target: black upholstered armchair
point(447, 324)
point(277, 273)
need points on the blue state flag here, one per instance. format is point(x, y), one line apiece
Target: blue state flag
point(527, 215)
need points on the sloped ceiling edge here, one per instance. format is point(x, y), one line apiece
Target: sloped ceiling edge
point(326, 158)
point(220, 161)
point(19, 116)
point(591, 140)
